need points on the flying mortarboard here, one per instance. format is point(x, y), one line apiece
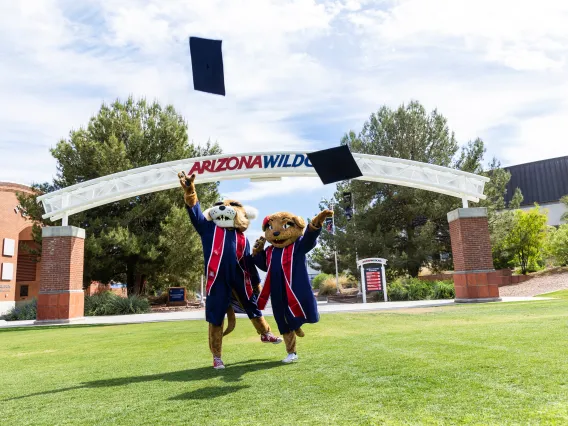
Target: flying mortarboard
point(335, 164)
point(207, 65)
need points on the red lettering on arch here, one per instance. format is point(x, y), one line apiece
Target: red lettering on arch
point(196, 168)
point(208, 166)
point(230, 161)
point(257, 161)
point(245, 161)
point(221, 166)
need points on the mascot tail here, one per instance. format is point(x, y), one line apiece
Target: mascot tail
point(234, 307)
point(231, 320)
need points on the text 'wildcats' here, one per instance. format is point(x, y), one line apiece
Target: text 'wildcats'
point(250, 162)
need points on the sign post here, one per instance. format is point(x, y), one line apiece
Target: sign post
point(373, 276)
point(177, 296)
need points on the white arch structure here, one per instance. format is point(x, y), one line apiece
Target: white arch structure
point(257, 166)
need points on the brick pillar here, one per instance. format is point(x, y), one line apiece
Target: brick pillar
point(475, 279)
point(61, 296)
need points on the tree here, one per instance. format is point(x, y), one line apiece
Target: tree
point(564, 201)
point(405, 225)
point(527, 237)
point(123, 238)
point(500, 215)
point(558, 244)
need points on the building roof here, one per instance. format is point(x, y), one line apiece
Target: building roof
point(540, 182)
point(14, 187)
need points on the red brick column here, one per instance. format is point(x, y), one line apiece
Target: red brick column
point(475, 279)
point(61, 296)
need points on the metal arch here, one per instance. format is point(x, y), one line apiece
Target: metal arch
point(118, 186)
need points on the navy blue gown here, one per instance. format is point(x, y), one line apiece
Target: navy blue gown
point(300, 283)
point(230, 275)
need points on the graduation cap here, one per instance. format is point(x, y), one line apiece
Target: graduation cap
point(335, 164)
point(207, 65)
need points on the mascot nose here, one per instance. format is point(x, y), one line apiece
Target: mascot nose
point(222, 208)
point(276, 233)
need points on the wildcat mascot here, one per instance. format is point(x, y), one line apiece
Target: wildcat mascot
point(287, 283)
point(232, 280)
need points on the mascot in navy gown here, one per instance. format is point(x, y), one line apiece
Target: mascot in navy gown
point(287, 282)
point(232, 279)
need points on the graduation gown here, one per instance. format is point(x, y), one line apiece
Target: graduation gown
point(300, 284)
point(230, 275)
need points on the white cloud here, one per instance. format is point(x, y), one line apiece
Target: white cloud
point(480, 63)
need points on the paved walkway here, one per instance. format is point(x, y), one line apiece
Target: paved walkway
point(323, 307)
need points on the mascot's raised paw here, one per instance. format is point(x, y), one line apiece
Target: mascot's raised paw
point(188, 185)
point(258, 246)
point(318, 221)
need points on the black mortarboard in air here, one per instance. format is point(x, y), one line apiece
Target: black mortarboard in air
point(207, 65)
point(335, 164)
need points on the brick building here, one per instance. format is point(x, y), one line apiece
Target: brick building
point(20, 274)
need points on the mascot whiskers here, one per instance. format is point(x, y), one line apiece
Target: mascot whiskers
point(287, 282)
point(232, 279)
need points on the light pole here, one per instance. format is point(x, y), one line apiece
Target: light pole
point(335, 249)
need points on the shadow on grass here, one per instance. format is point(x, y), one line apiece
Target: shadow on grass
point(208, 392)
point(233, 373)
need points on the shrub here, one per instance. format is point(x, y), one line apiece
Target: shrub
point(329, 287)
point(129, 305)
point(376, 296)
point(319, 279)
point(98, 304)
point(108, 303)
point(396, 291)
point(419, 290)
point(444, 290)
point(23, 312)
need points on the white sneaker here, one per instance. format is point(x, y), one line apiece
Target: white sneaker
point(290, 358)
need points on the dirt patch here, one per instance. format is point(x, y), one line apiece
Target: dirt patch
point(542, 282)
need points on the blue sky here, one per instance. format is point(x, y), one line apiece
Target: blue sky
point(299, 74)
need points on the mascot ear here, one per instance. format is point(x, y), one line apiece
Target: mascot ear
point(265, 223)
point(251, 212)
point(207, 215)
point(300, 222)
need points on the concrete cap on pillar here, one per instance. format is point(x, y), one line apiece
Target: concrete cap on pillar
point(467, 213)
point(62, 231)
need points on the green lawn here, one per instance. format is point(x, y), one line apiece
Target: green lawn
point(562, 294)
point(476, 364)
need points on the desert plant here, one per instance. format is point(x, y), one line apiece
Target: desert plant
point(108, 303)
point(329, 287)
point(129, 305)
point(319, 279)
point(348, 281)
point(27, 311)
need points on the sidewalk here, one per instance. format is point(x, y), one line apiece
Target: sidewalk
point(323, 307)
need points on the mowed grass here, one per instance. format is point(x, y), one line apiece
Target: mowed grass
point(561, 294)
point(503, 363)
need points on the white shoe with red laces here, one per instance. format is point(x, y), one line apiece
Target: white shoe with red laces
point(218, 363)
point(270, 338)
point(290, 358)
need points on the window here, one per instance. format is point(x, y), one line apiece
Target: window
point(24, 291)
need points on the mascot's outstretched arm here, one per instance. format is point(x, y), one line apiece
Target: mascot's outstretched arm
point(317, 222)
point(188, 185)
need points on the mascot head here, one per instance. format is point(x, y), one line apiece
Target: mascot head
point(282, 229)
point(231, 214)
